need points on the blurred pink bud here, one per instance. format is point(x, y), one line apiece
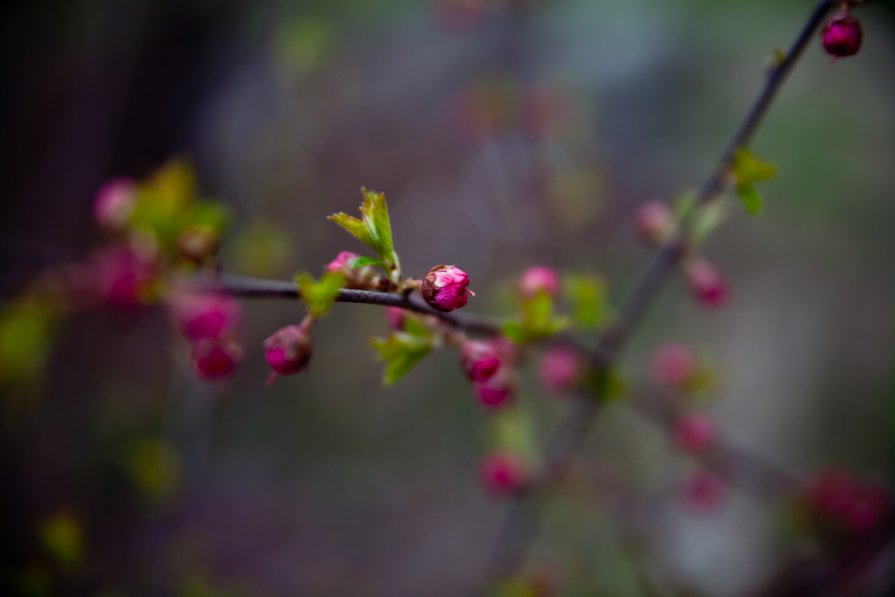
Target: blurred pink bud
point(444, 288)
point(114, 203)
point(842, 35)
point(694, 433)
point(653, 222)
point(538, 279)
point(502, 473)
point(560, 369)
point(288, 350)
point(122, 278)
point(202, 316)
point(479, 359)
point(837, 496)
point(706, 283)
point(395, 317)
point(495, 393)
point(342, 263)
point(673, 365)
point(215, 358)
point(703, 492)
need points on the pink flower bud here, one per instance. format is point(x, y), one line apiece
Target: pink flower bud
point(445, 288)
point(395, 317)
point(502, 473)
point(536, 280)
point(288, 350)
point(495, 393)
point(842, 35)
point(560, 369)
point(342, 263)
point(122, 278)
point(673, 365)
point(837, 497)
point(114, 203)
point(706, 283)
point(480, 360)
point(201, 316)
point(653, 222)
point(694, 433)
point(703, 492)
point(215, 358)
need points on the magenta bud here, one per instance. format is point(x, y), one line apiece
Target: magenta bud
point(201, 316)
point(842, 35)
point(342, 263)
point(836, 496)
point(703, 492)
point(288, 350)
point(444, 288)
point(480, 360)
point(114, 203)
point(538, 279)
point(560, 369)
point(502, 473)
point(395, 317)
point(706, 283)
point(693, 433)
point(673, 365)
point(497, 392)
point(215, 358)
point(122, 278)
point(653, 222)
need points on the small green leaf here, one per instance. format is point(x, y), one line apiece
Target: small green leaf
point(319, 296)
point(63, 538)
point(373, 229)
point(400, 352)
point(605, 385)
point(749, 169)
point(750, 198)
point(364, 261)
point(587, 298)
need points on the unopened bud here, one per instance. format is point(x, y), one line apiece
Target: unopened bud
point(445, 288)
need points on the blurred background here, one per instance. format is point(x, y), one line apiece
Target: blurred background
point(504, 133)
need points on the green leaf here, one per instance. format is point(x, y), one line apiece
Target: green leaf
point(750, 198)
point(373, 229)
point(26, 329)
point(63, 537)
point(319, 296)
point(749, 169)
point(605, 385)
point(400, 352)
point(365, 261)
point(587, 298)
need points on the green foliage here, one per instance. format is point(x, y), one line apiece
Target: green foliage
point(373, 229)
point(154, 467)
point(401, 351)
point(25, 336)
point(364, 262)
point(535, 320)
point(748, 169)
point(320, 295)
point(587, 300)
point(63, 539)
point(605, 385)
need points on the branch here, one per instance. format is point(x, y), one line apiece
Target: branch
point(512, 545)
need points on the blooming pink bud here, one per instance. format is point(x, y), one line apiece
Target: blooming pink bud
point(288, 350)
point(706, 283)
point(395, 317)
point(114, 203)
point(560, 369)
point(215, 358)
point(445, 288)
point(653, 222)
point(703, 492)
point(480, 360)
point(495, 393)
point(502, 473)
point(536, 280)
point(202, 316)
point(836, 496)
point(342, 262)
point(673, 365)
point(694, 433)
point(842, 35)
